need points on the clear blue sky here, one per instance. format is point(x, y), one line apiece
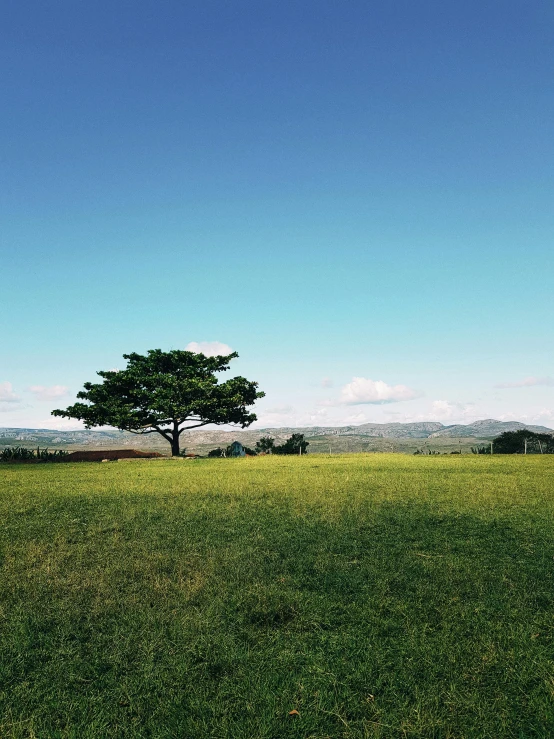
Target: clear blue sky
point(336, 190)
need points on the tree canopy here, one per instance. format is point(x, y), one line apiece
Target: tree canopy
point(295, 444)
point(166, 393)
point(521, 441)
point(265, 445)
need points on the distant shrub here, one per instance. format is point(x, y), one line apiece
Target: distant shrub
point(22, 454)
point(480, 449)
point(16, 454)
point(44, 455)
point(219, 452)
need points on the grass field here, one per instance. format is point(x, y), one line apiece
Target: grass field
point(376, 595)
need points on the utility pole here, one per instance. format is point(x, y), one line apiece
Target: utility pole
point(491, 448)
point(525, 446)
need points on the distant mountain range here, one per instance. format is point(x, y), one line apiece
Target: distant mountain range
point(422, 430)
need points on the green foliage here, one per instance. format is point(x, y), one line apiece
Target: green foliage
point(481, 449)
point(380, 596)
point(293, 445)
point(22, 454)
point(56, 455)
point(219, 452)
point(516, 442)
point(166, 393)
point(250, 452)
point(17, 454)
point(265, 445)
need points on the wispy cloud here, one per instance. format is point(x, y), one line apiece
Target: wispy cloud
point(364, 390)
point(209, 348)
point(327, 382)
point(7, 394)
point(527, 382)
point(49, 393)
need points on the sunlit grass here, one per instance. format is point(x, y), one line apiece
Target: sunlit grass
point(378, 596)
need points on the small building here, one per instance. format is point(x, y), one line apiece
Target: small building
point(236, 450)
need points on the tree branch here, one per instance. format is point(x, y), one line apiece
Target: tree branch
point(196, 425)
point(208, 423)
point(168, 435)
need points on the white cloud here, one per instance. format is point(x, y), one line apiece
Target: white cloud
point(209, 348)
point(7, 394)
point(327, 382)
point(49, 393)
point(527, 382)
point(443, 410)
point(363, 390)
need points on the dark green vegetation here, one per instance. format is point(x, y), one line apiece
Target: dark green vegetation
point(523, 442)
point(166, 393)
point(378, 596)
point(265, 444)
point(22, 454)
point(296, 444)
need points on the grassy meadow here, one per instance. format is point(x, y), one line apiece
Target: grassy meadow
point(371, 595)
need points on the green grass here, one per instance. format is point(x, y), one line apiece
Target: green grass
point(378, 596)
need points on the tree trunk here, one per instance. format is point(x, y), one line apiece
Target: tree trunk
point(175, 440)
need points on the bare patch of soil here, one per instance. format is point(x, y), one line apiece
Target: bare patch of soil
point(111, 454)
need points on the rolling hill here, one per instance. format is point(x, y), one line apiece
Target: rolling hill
point(402, 437)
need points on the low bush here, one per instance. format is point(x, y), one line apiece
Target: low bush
point(22, 454)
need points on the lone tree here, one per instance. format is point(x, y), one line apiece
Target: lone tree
point(166, 393)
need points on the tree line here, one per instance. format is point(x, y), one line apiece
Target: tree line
point(518, 442)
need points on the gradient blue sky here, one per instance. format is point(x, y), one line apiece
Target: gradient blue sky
point(336, 190)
